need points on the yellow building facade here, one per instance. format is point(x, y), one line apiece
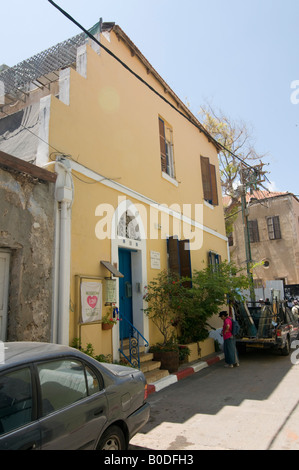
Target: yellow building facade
point(137, 176)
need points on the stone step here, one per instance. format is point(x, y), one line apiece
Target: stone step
point(149, 365)
point(126, 346)
point(143, 356)
point(154, 375)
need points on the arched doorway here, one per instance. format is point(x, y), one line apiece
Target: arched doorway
point(128, 252)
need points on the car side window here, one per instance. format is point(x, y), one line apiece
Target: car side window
point(15, 399)
point(64, 382)
point(92, 382)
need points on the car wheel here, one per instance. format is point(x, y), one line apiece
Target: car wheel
point(286, 349)
point(112, 439)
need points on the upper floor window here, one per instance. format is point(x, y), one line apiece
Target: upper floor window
point(273, 227)
point(214, 259)
point(253, 231)
point(166, 148)
point(179, 258)
point(209, 181)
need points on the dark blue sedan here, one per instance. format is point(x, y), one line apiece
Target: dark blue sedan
point(55, 397)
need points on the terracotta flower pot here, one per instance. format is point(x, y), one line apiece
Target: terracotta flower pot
point(169, 360)
point(107, 326)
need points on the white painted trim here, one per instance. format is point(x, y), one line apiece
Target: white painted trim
point(140, 197)
point(170, 179)
point(207, 204)
point(140, 270)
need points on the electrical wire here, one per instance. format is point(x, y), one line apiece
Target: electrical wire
point(201, 129)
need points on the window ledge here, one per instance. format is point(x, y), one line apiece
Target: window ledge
point(170, 179)
point(206, 203)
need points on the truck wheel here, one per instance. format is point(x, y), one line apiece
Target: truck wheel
point(285, 351)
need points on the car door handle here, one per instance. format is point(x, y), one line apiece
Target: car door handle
point(98, 412)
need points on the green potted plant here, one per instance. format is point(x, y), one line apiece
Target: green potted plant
point(108, 321)
point(164, 298)
point(211, 289)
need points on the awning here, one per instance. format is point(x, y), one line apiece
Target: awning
point(112, 269)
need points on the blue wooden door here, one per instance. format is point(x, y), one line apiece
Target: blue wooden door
point(125, 292)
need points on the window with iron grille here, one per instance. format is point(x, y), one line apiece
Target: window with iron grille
point(273, 228)
point(253, 231)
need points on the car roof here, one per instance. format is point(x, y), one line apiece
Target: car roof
point(20, 352)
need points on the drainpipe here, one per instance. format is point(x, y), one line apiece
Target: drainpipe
point(64, 198)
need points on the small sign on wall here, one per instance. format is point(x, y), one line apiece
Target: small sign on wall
point(155, 260)
point(110, 291)
point(91, 301)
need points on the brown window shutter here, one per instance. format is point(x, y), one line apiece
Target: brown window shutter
point(206, 178)
point(162, 145)
point(273, 227)
point(276, 225)
point(253, 231)
point(214, 185)
point(185, 261)
point(174, 255)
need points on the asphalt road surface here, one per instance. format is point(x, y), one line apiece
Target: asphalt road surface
point(252, 407)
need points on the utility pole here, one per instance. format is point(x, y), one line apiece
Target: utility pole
point(250, 179)
point(247, 241)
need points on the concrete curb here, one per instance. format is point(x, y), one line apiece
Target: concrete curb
point(181, 374)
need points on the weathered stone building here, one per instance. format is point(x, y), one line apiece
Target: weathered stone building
point(273, 226)
point(26, 250)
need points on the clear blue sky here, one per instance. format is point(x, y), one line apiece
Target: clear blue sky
point(241, 56)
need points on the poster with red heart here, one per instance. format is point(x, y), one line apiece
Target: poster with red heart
point(91, 301)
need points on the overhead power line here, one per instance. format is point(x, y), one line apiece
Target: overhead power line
point(201, 129)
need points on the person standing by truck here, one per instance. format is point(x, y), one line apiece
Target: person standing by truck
point(295, 309)
point(229, 343)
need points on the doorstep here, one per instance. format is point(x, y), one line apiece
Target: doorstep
point(184, 371)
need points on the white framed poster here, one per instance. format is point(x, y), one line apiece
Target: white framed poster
point(155, 260)
point(91, 301)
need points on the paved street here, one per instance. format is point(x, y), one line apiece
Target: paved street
point(255, 406)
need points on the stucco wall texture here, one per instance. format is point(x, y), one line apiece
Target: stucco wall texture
point(27, 231)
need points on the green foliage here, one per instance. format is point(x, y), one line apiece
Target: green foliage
point(236, 137)
point(184, 352)
point(108, 318)
point(211, 289)
point(181, 313)
point(165, 295)
point(231, 214)
point(89, 350)
point(167, 347)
